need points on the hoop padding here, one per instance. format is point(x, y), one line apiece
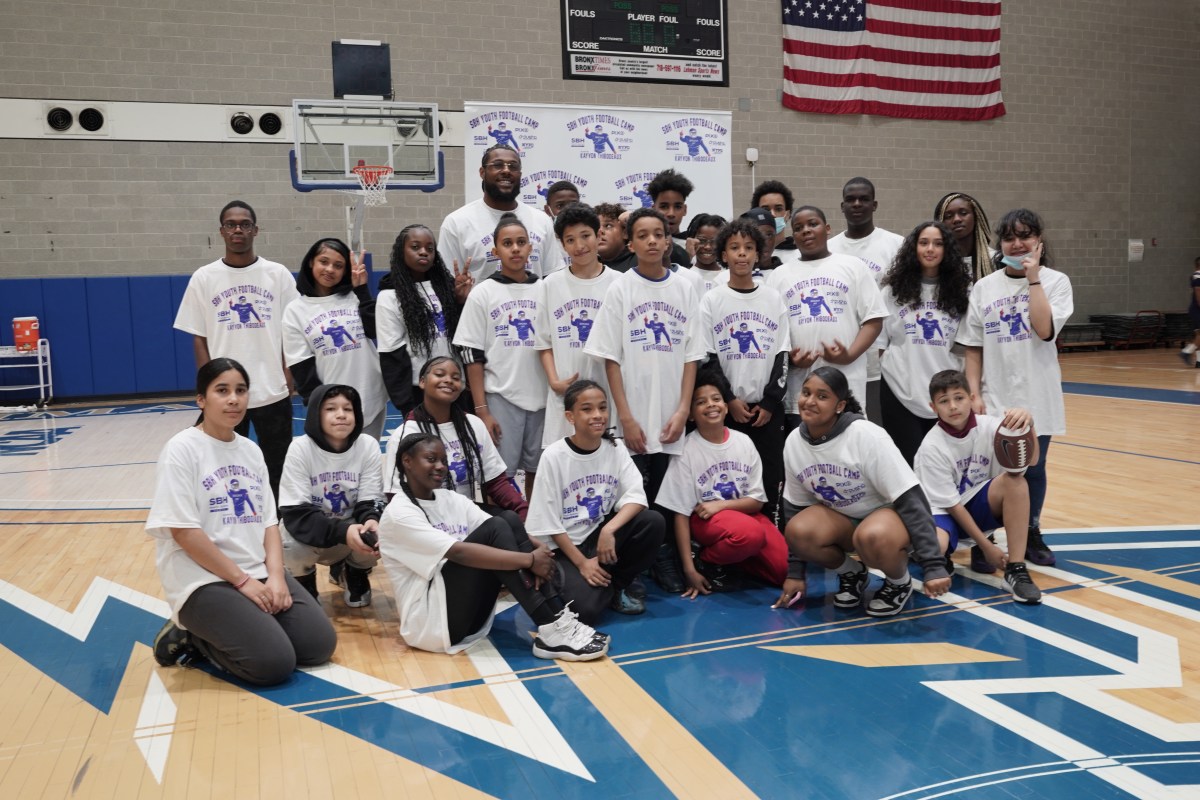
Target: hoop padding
point(373, 181)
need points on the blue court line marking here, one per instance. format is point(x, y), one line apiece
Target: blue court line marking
point(92, 522)
point(1132, 393)
point(84, 466)
point(1125, 452)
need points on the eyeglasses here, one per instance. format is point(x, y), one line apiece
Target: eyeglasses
point(706, 242)
point(247, 226)
point(499, 166)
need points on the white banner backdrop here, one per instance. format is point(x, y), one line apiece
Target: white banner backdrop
point(610, 153)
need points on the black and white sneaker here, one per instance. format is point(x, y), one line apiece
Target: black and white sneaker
point(890, 599)
point(173, 647)
point(335, 573)
point(851, 586)
point(1022, 587)
point(357, 591)
point(569, 639)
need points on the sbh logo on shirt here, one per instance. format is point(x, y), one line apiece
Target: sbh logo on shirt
point(246, 306)
point(925, 325)
point(573, 320)
point(703, 139)
point(508, 128)
point(513, 322)
point(816, 300)
point(588, 497)
point(745, 335)
point(335, 491)
point(725, 480)
point(834, 485)
point(601, 135)
point(329, 335)
point(1005, 319)
point(662, 326)
point(235, 493)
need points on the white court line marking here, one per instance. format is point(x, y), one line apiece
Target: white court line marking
point(155, 725)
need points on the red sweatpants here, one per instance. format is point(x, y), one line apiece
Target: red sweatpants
point(749, 540)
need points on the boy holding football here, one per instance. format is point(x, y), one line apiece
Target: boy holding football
point(968, 489)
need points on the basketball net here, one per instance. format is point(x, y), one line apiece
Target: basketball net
point(373, 181)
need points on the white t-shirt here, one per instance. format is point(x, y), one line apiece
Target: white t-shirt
point(917, 344)
point(827, 299)
point(330, 329)
point(709, 278)
point(239, 310)
point(952, 470)
point(489, 456)
point(413, 549)
point(502, 320)
point(392, 333)
point(650, 328)
point(468, 232)
point(705, 471)
point(569, 306)
point(1019, 369)
point(877, 250)
point(335, 482)
point(574, 492)
point(854, 473)
point(746, 330)
point(220, 488)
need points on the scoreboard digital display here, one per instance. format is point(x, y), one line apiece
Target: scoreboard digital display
point(684, 41)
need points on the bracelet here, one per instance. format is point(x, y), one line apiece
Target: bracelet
point(532, 561)
point(1035, 283)
point(245, 579)
point(482, 406)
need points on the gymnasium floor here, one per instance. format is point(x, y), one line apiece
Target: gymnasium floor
point(1095, 693)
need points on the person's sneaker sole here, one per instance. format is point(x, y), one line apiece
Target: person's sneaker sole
point(363, 601)
point(597, 648)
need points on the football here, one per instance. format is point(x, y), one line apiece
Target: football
point(1016, 450)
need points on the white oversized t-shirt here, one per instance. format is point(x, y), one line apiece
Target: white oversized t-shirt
point(239, 310)
point(917, 344)
point(468, 234)
point(220, 488)
point(393, 334)
point(650, 328)
point(827, 299)
point(569, 307)
point(488, 455)
point(854, 473)
point(334, 482)
point(746, 330)
point(952, 470)
point(705, 471)
point(574, 492)
point(877, 250)
point(1020, 370)
point(330, 329)
point(413, 543)
point(502, 319)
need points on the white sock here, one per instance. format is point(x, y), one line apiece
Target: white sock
point(1189, 348)
point(849, 566)
point(905, 581)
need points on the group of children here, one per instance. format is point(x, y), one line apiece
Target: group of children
point(588, 379)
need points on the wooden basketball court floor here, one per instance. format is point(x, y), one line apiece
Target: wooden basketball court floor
point(1094, 693)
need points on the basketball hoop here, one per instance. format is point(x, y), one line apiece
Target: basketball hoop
point(373, 181)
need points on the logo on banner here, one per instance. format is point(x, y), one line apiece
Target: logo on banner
point(695, 139)
point(634, 189)
point(601, 136)
point(534, 187)
point(509, 128)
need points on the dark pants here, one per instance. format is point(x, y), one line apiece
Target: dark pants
point(768, 441)
point(637, 543)
point(260, 648)
point(471, 592)
point(1035, 476)
point(871, 401)
point(906, 428)
point(273, 428)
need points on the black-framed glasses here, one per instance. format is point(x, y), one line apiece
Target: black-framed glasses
point(247, 225)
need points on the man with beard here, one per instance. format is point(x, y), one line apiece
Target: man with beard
point(465, 239)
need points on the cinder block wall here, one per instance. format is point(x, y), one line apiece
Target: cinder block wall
point(1103, 105)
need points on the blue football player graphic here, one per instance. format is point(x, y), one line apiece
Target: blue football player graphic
point(929, 326)
point(599, 139)
point(524, 326)
point(338, 333)
point(583, 325)
point(337, 498)
point(815, 302)
point(543, 192)
point(660, 330)
point(439, 318)
point(825, 491)
point(244, 309)
point(592, 502)
point(744, 337)
point(643, 196)
point(504, 136)
point(457, 466)
point(1015, 323)
point(240, 498)
point(726, 488)
point(964, 482)
point(694, 143)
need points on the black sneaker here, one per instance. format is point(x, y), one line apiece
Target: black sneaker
point(851, 586)
point(890, 600)
point(335, 573)
point(1022, 587)
point(666, 571)
point(568, 639)
point(309, 582)
point(625, 603)
point(979, 562)
point(357, 587)
point(173, 647)
point(1036, 549)
point(720, 577)
point(636, 589)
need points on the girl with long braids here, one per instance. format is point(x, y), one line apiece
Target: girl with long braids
point(417, 312)
point(447, 562)
point(963, 215)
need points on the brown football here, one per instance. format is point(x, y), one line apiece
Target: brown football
point(1016, 451)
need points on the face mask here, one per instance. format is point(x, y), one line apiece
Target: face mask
point(1013, 262)
point(778, 225)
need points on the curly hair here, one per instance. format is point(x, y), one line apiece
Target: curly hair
point(415, 304)
point(904, 275)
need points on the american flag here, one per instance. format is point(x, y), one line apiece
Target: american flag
point(920, 59)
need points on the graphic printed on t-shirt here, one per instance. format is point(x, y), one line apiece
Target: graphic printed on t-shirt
point(250, 304)
point(235, 493)
point(589, 496)
point(926, 325)
point(1004, 319)
point(337, 330)
point(835, 485)
point(754, 335)
point(724, 480)
point(513, 322)
point(662, 326)
point(335, 491)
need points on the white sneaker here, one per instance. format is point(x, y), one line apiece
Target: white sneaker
point(569, 639)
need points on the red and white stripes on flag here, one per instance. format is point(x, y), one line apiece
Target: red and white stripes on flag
point(920, 59)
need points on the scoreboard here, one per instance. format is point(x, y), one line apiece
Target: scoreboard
point(655, 41)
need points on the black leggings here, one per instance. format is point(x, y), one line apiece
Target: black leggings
point(471, 592)
point(906, 428)
point(636, 543)
point(768, 441)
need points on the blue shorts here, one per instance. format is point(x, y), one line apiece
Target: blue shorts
point(981, 513)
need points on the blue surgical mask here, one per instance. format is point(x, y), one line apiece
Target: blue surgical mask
point(1013, 262)
point(778, 225)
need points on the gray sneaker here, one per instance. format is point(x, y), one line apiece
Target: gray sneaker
point(851, 586)
point(1022, 587)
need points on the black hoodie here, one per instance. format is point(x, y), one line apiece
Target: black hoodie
point(308, 523)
